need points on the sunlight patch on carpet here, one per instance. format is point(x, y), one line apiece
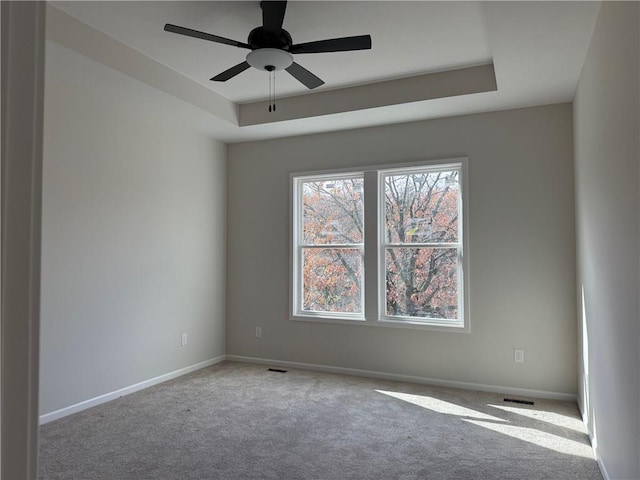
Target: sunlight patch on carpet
point(552, 418)
point(538, 437)
point(440, 406)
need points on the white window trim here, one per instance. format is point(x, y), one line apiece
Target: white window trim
point(296, 250)
point(373, 277)
point(382, 245)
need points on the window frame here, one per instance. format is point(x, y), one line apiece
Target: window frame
point(299, 247)
point(382, 245)
point(373, 285)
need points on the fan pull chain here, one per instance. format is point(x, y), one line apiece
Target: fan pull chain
point(269, 90)
point(272, 87)
point(274, 90)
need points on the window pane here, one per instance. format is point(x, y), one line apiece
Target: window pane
point(422, 282)
point(421, 207)
point(332, 279)
point(333, 211)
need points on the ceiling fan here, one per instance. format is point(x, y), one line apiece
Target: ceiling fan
point(272, 48)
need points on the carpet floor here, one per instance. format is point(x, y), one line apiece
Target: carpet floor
point(242, 421)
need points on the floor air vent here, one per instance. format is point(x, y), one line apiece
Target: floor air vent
point(515, 400)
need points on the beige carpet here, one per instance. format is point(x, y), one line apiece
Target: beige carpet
point(240, 421)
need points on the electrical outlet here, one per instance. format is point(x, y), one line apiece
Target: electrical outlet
point(518, 355)
point(258, 332)
point(184, 340)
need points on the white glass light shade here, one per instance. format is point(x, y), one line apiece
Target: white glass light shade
point(264, 58)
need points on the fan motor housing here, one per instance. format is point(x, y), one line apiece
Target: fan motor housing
point(258, 38)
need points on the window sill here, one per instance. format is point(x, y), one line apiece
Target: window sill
point(402, 324)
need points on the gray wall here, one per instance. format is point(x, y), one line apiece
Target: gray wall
point(522, 251)
point(606, 170)
point(133, 243)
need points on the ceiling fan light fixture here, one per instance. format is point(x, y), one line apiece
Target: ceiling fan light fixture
point(272, 47)
point(269, 59)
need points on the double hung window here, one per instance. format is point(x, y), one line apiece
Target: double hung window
point(330, 245)
point(406, 268)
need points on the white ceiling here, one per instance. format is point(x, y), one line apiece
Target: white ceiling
point(537, 50)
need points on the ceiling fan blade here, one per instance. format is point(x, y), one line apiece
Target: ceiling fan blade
point(304, 76)
point(273, 16)
point(231, 72)
point(359, 42)
point(203, 35)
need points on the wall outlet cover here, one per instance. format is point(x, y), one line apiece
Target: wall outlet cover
point(518, 355)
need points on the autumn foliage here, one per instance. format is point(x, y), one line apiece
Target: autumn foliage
point(420, 243)
point(333, 215)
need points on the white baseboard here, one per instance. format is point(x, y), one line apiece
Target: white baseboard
point(603, 469)
point(524, 392)
point(92, 402)
point(594, 444)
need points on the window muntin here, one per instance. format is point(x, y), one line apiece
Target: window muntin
point(421, 250)
point(330, 245)
point(414, 243)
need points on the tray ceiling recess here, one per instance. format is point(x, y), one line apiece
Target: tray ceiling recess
point(427, 59)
